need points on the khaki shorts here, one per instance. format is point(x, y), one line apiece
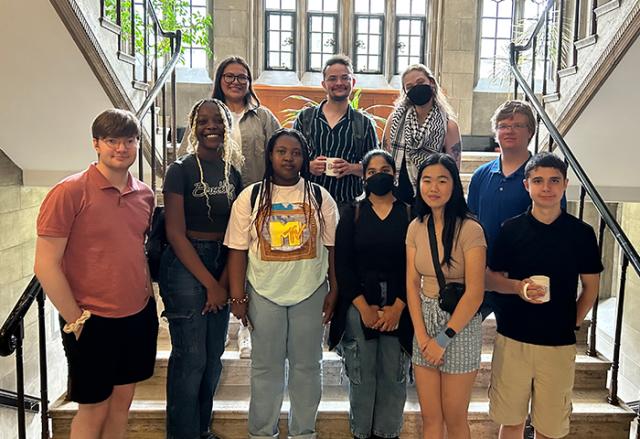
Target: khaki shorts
point(521, 372)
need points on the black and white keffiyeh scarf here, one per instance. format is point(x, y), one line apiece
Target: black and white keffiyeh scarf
point(416, 142)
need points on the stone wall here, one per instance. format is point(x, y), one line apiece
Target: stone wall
point(630, 351)
point(458, 56)
point(232, 29)
point(18, 211)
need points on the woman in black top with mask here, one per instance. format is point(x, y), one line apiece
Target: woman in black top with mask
point(421, 124)
point(371, 327)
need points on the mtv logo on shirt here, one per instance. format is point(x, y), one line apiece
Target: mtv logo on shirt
point(290, 234)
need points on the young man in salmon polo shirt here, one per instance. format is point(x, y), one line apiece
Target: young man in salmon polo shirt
point(537, 259)
point(91, 263)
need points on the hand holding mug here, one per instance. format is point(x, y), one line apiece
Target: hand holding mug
point(337, 167)
point(318, 165)
point(535, 289)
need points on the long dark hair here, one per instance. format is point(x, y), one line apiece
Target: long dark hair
point(456, 209)
point(217, 83)
point(264, 205)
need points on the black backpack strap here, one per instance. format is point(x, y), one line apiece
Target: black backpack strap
point(317, 193)
point(255, 190)
point(431, 229)
point(356, 212)
point(359, 120)
point(306, 122)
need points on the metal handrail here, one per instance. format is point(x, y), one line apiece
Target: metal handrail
point(618, 233)
point(11, 326)
point(630, 256)
point(162, 79)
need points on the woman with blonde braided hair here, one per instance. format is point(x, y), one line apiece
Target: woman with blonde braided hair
point(199, 189)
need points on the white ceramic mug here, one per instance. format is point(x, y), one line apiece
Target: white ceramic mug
point(329, 171)
point(542, 281)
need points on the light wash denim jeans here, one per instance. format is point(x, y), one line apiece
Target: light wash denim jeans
point(282, 333)
point(197, 342)
point(377, 371)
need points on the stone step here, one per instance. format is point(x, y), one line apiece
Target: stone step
point(592, 417)
point(591, 373)
point(471, 160)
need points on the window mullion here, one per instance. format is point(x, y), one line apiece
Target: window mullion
point(346, 33)
point(302, 47)
point(390, 40)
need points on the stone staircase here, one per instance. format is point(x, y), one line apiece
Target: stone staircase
point(592, 416)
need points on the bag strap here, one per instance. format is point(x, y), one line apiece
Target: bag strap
point(356, 212)
point(434, 252)
point(255, 190)
point(317, 192)
point(358, 129)
point(306, 120)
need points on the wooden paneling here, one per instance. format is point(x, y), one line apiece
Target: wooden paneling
point(275, 98)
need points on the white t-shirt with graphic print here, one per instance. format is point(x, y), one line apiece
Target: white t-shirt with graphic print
point(288, 259)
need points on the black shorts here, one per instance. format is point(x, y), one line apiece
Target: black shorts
point(110, 352)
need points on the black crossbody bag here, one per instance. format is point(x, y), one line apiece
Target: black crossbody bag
point(450, 293)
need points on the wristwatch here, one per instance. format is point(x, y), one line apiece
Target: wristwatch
point(450, 332)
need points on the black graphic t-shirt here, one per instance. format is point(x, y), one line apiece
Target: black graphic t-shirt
point(206, 204)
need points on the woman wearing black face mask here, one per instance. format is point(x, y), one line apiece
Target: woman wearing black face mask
point(371, 326)
point(420, 125)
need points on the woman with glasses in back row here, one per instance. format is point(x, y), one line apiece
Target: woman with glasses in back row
point(253, 124)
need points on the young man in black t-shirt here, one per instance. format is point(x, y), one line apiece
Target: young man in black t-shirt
point(534, 352)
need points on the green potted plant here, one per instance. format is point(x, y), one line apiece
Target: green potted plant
point(292, 113)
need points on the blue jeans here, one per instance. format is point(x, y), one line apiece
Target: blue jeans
point(197, 342)
point(282, 333)
point(377, 371)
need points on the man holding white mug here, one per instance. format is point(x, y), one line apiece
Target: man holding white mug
point(535, 265)
point(338, 135)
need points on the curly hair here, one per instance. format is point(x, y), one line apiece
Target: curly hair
point(231, 153)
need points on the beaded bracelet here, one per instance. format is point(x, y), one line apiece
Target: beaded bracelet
point(236, 300)
point(74, 326)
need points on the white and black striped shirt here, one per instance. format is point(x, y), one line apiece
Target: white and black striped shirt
point(338, 141)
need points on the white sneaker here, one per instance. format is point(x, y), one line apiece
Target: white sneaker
point(244, 342)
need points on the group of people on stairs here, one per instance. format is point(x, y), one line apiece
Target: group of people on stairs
point(291, 229)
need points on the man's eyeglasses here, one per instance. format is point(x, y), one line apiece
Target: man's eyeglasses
point(230, 77)
point(114, 142)
point(515, 126)
point(343, 78)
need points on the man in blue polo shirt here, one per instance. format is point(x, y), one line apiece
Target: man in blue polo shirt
point(496, 191)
